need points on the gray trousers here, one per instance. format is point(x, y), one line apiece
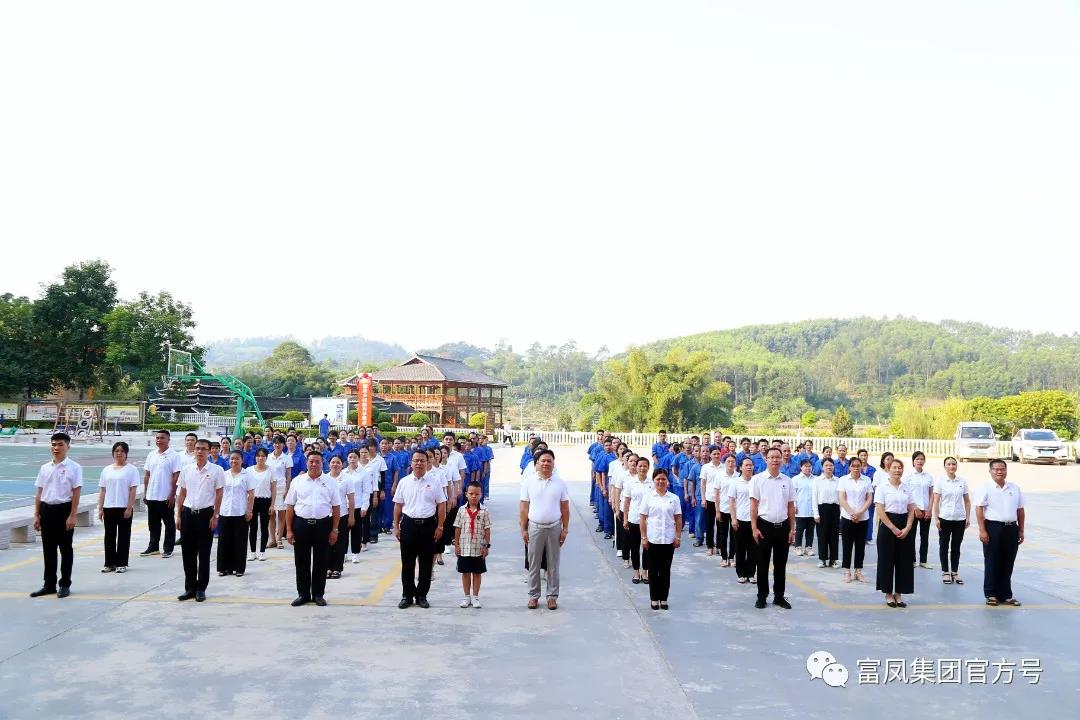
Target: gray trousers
point(544, 539)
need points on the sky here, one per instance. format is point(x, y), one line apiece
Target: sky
point(611, 172)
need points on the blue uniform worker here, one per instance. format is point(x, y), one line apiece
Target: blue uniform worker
point(324, 427)
point(603, 507)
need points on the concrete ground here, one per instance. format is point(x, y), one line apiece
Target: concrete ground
point(122, 645)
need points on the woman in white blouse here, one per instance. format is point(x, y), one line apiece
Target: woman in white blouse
point(660, 528)
point(116, 498)
point(827, 514)
point(616, 481)
point(921, 484)
point(739, 507)
point(347, 497)
point(952, 507)
point(895, 510)
point(265, 487)
point(634, 492)
point(237, 501)
point(725, 532)
point(855, 495)
point(805, 510)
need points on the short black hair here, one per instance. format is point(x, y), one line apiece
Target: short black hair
point(264, 452)
point(202, 440)
point(998, 461)
point(191, 435)
point(62, 436)
point(166, 433)
point(541, 453)
point(121, 445)
point(314, 453)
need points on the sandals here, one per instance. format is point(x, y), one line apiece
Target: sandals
point(947, 578)
point(1011, 601)
point(859, 576)
point(957, 579)
point(847, 576)
point(992, 601)
point(743, 581)
point(645, 580)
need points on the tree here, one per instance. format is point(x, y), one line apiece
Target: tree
point(418, 419)
point(842, 425)
point(478, 420)
point(24, 369)
point(809, 419)
point(909, 419)
point(70, 317)
point(564, 420)
point(289, 371)
point(136, 336)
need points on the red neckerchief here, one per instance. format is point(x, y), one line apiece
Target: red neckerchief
point(472, 519)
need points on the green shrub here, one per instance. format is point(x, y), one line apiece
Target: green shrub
point(478, 420)
point(842, 424)
point(417, 419)
point(292, 416)
point(386, 426)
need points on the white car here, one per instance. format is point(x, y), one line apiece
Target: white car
point(1039, 445)
point(975, 441)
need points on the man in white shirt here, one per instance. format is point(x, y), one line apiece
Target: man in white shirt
point(419, 515)
point(545, 519)
point(56, 503)
point(999, 508)
point(160, 475)
point(198, 506)
point(772, 522)
point(312, 520)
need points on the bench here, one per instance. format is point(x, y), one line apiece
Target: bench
point(17, 524)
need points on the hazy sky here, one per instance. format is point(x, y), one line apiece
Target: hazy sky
point(611, 172)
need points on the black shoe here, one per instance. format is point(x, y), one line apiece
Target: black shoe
point(608, 536)
point(422, 602)
point(782, 602)
point(167, 554)
point(300, 601)
point(405, 602)
point(43, 591)
point(599, 528)
point(148, 552)
point(186, 596)
point(63, 592)
point(200, 596)
point(374, 539)
point(108, 569)
point(320, 601)
point(760, 604)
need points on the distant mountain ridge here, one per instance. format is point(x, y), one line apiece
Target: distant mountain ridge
point(339, 350)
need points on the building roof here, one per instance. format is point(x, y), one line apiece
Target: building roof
point(428, 368)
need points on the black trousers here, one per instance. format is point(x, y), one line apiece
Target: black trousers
point(895, 572)
point(853, 535)
point(710, 525)
point(620, 536)
point(447, 538)
point(341, 547)
point(804, 532)
point(232, 548)
point(157, 513)
point(355, 534)
point(117, 537)
point(364, 523)
point(197, 541)
point(638, 559)
point(725, 536)
point(260, 520)
point(660, 557)
point(828, 531)
point(417, 544)
point(923, 526)
point(999, 555)
point(311, 555)
point(745, 548)
point(56, 538)
point(949, 538)
point(773, 546)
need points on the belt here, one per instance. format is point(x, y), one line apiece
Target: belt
point(1002, 522)
point(545, 525)
point(312, 521)
point(419, 521)
point(196, 511)
point(762, 520)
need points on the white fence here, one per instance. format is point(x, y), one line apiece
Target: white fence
point(902, 448)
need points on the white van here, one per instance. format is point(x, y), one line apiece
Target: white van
point(975, 441)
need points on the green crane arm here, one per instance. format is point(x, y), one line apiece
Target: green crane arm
point(244, 397)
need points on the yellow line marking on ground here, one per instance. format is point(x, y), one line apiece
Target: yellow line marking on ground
point(383, 585)
point(819, 596)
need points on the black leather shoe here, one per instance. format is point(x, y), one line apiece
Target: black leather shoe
point(422, 602)
point(300, 601)
point(608, 536)
point(760, 604)
point(43, 591)
point(63, 592)
point(374, 539)
point(599, 528)
point(186, 596)
point(782, 602)
point(320, 601)
point(200, 596)
point(148, 552)
point(405, 602)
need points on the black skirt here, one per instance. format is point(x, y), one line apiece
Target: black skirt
point(475, 564)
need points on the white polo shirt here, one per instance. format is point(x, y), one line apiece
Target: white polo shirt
point(545, 497)
point(420, 497)
point(720, 487)
point(739, 490)
point(161, 466)
point(660, 510)
point(921, 484)
point(709, 479)
point(278, 464)
point(234, 494)
point(261, 479)
point(1000, 503)
point(201, 484)
point(58, 481)
point(313, 499)
point(951, 502)
point(895, 499)
point(855, 492)
point(456, 461)
point(825, 491)
point(117, 483)
point(637, 490)
point(773, 494)
point(346, 486)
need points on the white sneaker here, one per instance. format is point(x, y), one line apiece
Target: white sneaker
point(122, 569)
point(799, 551)
point(262, 555)
point(251, 557)
point(466, 602)
point(476, 602)
point(356, 559)
point(822, 564)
